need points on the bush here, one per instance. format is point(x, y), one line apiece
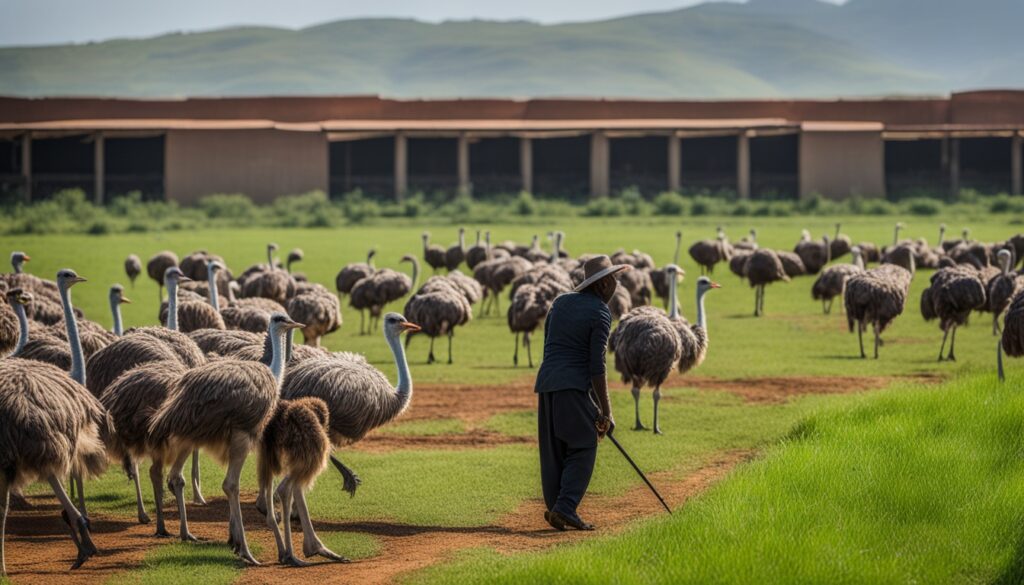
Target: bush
point(633, 202)
point(99, 228)
point(231, 206)
point(922, 206)
point(741, 209)
point(878, 207)
point(670, 203)
point(355, 207)
point(525, 204)
point(604, 207)
point(1006, 204)
point(414, 206)
point(703, 205)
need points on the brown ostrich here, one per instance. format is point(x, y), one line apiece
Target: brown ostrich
point(213, 341)
point(815, 255)
point(320, 312)
point(191, 312)
point(763, 268)
point(433, 254)
point(273, 283)
point(455, 255)
point(222, 407)
point(832, 281)
point(11, 332)
point(478, 252)
point(1012, 340)
point(707, 253)
point(351, 274)
point(791, 263)
point(620, 304)
point(1002, 288)
point(496, 274)
point(952, 295)
point(841, 243)
point(438, 311)
point(658, 276)
point(382, 287)
point(158, 265)
point(132, 267)
point(876, 297)
point(527, 311)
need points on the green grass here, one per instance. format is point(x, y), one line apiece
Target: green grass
point(184, 563)
point(446, 426)
point(910, 485)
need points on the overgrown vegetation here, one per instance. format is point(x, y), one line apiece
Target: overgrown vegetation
point(70, 211)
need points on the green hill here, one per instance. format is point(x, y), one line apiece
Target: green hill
point(767, 48)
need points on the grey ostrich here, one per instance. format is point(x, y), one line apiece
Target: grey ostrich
point(496, 274)
point(659, 278)
point(455, 255)
point(438, 308)
point(1012, 340)
point(832, 281)
point(359, 397)
point(349, 275)
point(841, 243)
point(382, 287)
point(707, 253)
point(763, 267)
point(876, 297)
point(952, 295)
point(192, 312)
point(791, 263)
point(814, 254)
point(223, 407)
point(295, 255)
point(11, 331)
point(320, 312)
point(158, 265)
point(528, 309)
point(478, 252)
point(132, 267)
point(1002, 288)
point(269, 283)
point(433, 254)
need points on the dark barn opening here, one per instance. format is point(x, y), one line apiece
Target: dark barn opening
point(985, 164)
point(134, 165)
point(368, 165)
point(774, 167)
point(494, 166)
point(11, 178)
point(915, 168)
point(640, 162)
point(561, 167)
point(433, 165)
point(709, 164)
point(62, 163)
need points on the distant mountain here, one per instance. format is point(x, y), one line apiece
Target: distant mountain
point(765, 48)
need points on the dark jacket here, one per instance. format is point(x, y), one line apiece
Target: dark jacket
point(575, 342)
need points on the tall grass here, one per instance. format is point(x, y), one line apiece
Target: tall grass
point(911, 485)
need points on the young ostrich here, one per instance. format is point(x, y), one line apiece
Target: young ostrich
point(831, 283)
point(158, 265)
point(132, 267)
point(222, 407)
point(952, 295)
point(876, 296)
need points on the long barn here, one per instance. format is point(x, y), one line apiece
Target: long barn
point(182, 150)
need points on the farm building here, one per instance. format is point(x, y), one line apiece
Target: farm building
point(265, 147)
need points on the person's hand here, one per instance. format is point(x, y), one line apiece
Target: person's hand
point(605, 425)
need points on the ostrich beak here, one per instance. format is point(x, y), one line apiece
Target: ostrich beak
point(78, 279)
point(183, 278)
point(410, 327)
point(126, 300)
point(715, 285)
point(26, 258)
point(293, 324)
point(24, 300)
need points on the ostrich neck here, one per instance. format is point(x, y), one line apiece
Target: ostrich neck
point(19, 309)
point(828, 251)
point(403, 392)
point(270, 258)
point(211, 280)
point(77, 359)
point(115, 310)
point(172, 305)
point(462, 241)
point(289, 344)
point(17, 267)
point(415, 273)
point(858, 261)
point(942, 236)
point(673, 297)
point(675, 255)
point(277, 358)
point(895, 236)
point(702, 319)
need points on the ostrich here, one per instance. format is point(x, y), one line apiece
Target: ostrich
point(496, 274)
point(832, 281)
point(478, 252)
point(534, 253)
point(358, 396)
point(814, 255)
point(455, 255)
point(158, 265)
point(267, 282)
point(1012, 340)
point(11, 331)
point(638, 284)
point(223, 406)
point(902, 256)
point(44, 290)
point(383, 287)
point(116, 298)
point(295, 255)
point(1002, 288)
point(528, 309)
point(132, 267)
point(953, 294)
point(251, 314)
point(433, 254)
point(226, 342)
point(659, 277)
point(352, 273)
point(320, 312)
point(747, 243)
point(439, 312)
point(840, 244)
point(763, 267)
point(791, 263)
point(192, 313)
point(620, 304)
point(707, 253)
point(876, 296)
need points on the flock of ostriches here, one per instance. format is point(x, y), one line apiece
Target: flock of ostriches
point(223, 376)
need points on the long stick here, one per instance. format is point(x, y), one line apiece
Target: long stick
point(640, 473)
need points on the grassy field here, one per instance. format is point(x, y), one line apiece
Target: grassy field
point(793, 345)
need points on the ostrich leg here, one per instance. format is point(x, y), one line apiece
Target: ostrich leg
point(176, 483)
point(999, 361)
point(156, 476)
point(657, 398)
point(878, 338)
point(197, 492)
point(952, 342)
point(529, 349)
point(942, 347)
point(995, 324)
point(450, 334)
point(515, 352)
point(311, 544)
point(362, 325)
point(860, 340)
point(77, 478)
point(79, 526)
point(757, 299)
point(635, 391)
point(824, 307)
point(238, 450)
point(133, 466)
point(430, 356)
point(284, 545)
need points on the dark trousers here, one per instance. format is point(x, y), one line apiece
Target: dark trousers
point(568, 447)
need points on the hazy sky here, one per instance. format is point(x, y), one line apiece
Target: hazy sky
point(59, 21)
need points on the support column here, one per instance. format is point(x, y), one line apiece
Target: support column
point(599, 173)
point(954, 168)
point(526, 163)
point(1017, 164)
point(743, 166)
point(401, 167)
point(99, 168)
point(674, 163)
point(26, 164)
point(465, 188)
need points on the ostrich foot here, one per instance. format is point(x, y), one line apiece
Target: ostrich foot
point(657, 431)
point(198, 499)
point(319, 550)
point(187, 536)
point(639, 427)
point(161, 532)
point(143, 517)
point(67, 519)
point(247, 557)
point(291, 560)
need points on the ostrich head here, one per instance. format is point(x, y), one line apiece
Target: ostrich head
point(116, 296)
point(967, 234)
point(17, 259)
point(295, 255)
point(705, 284)
point(272, 247)
point(17, 296)
point(395, 324)
point(213, 266)
point(1005, 260)
point(805, 236)
point(280, 323)
point(753, 234)
point(67, 278)
point(408, 258)
point(173, 276)
point(426, 237)
point(674, 271)
point(679, 235)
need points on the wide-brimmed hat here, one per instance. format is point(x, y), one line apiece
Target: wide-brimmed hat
point(597, 268)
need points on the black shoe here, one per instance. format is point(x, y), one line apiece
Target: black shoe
point(555, 521)
point(560, 521)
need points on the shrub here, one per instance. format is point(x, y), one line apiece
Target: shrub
point(670, 203)
point(1005, 204)
point(604, 207)
point(741, 209)
point(878, 207)
point(414, 206)
point(224, 205)
point(633, 202)
point(525, 204)
point(703, 205)
point(922, 206)
point(355, 207)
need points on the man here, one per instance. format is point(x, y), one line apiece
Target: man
point(569, 422)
